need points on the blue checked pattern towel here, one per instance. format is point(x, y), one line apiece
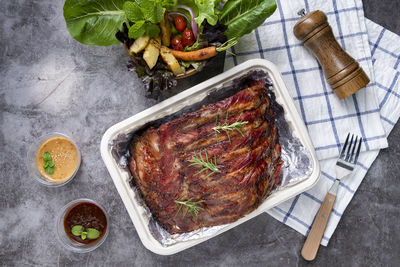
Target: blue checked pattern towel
point(371, 113)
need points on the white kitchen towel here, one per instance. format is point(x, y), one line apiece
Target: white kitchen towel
point(372, 112)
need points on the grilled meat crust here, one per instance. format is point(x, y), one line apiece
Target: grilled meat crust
point(249, 164)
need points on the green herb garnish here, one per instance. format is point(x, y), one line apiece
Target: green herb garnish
point(144, 16)
point(208, 164)
point(90, 233)
point(83, 235)
point(48, 163)
point(77, 230)
point(191, 206)
point(218, 128)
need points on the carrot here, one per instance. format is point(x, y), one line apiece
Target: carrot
point(198, 55)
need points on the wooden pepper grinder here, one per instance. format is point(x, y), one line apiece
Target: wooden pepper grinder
point(341, 71)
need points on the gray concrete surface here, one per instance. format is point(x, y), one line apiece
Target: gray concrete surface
point(50, 82)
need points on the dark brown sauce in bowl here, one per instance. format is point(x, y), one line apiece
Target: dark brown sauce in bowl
point(88, 215)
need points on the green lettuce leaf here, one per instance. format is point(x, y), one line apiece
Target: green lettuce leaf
point(94, 22)
point(206, 11)
point(243, 16)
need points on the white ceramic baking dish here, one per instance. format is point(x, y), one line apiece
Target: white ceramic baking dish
point(176, 103)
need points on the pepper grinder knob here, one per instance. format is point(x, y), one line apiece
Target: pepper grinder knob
point(342, 72)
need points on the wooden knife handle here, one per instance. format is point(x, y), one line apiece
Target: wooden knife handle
point(314, 238)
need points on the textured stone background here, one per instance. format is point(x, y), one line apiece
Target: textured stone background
point(51, 82)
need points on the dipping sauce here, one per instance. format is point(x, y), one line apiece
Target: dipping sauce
point(64, 155)
point(88, 215)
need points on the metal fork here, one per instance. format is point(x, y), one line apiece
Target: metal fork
point(344, 166)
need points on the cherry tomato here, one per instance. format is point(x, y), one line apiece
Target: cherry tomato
point(180, 23)
point(187, 38)
point(177, 44)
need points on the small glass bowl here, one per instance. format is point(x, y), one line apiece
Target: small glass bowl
point(31, 160)
point(63, 237)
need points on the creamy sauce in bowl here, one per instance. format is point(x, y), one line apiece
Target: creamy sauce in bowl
point(64, 154)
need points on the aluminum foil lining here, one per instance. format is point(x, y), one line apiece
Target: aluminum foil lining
point(297, 160)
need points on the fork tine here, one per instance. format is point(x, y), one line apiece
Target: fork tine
point(354, 148)
point(358, 150)
point(344, 146)
point(348, 150)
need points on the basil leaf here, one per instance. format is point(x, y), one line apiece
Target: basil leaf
point(46, 164)
point(137, 30)
point(152, 30)
point(83, 235)
point(77, 230)
point(243, 16)
point(94, 22)
point(133, 11)
point(46, 156)
point(49, 170)
point(92, 233)
point(50, 163)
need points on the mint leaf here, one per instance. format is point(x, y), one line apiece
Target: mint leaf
point(152, 30)
point(148, 8)
point(49, 170)
point(92, 233)
point(168, 3)
point(46, 156)
point(145, 4)
point(145, 14)
point(133, 11)
point(137, 30)
point(77, 230)
point(48, 164)
point(158, 14)
point(152, 11)
point(83, 235)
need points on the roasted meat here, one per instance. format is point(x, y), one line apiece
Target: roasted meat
point(247, 161)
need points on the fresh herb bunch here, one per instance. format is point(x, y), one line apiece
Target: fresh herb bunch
point(217, 23)
point(226, 127)
point(144, 15)
point(90, 233)
point(206, 163)
point(191, 207)
point(48, 163)
point(94, 22)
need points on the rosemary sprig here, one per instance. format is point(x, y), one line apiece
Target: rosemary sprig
point(191, 206)
point(208, 164)
point(218, 128)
